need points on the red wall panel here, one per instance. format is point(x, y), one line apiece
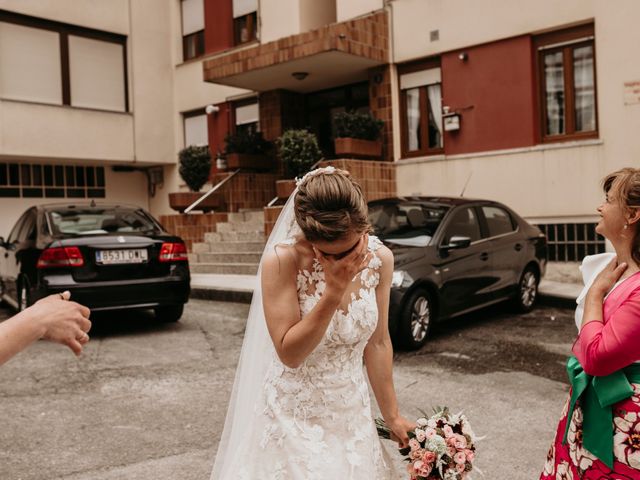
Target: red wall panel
point(218, 25)
point(494, 92)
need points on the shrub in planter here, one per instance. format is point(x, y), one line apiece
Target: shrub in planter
point(298, 150)
point(357, 125)
point(195, 166)
point(246, 141)
point(358, 135)
point(247, 149)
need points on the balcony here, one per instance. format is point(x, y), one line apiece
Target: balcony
point(332, 55)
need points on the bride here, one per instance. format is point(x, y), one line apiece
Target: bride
point(300, 406)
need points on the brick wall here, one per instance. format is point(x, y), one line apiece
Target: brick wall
point(380, 105)
point(365, 37)
point(248, 190)
point(191, 228)
point(377, 179)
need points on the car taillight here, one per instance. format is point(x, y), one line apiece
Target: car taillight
point(61, 257)
point(173, 252)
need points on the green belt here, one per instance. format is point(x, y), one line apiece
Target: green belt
point(597, 395)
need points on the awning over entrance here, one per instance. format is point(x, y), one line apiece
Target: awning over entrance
point(333, 55)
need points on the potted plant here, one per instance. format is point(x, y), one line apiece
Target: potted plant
point(247, 149)
point(195, 167)
point(358, 135)
point(299, 151)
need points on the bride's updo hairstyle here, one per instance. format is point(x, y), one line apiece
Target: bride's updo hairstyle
point(625, 184)
point(329, 204)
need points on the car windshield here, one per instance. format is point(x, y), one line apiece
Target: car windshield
point(100, 221)
point(409, 224)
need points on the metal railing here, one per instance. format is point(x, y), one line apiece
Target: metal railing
point(213, 189)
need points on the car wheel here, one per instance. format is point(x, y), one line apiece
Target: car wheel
point(527, 295)
point(23, 297)
point(417, 317)
point(170, 313)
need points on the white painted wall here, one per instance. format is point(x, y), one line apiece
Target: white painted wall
point(316, 13)
point(539, 183)
point(111, 16)
point(278, 18)
point(348, 9)
point(469, 22)
point(50, 131)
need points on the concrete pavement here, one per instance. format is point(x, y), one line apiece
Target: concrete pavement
point(147, 401)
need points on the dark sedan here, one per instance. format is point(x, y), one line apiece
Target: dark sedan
point(108, 256)
point(452, 256)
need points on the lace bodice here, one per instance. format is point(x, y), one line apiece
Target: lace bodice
point(317, 417)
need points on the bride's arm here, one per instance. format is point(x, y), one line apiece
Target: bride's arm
point(295, 338)
point(378, 355)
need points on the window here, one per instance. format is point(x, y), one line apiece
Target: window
point(464, 223)
point(421, 101)
point(499, 222)
point(571, 242)
point(247, 116)
point(245, 20)
point(96, 73)
point(196, 131)
point(51, 181)
point(567, 84)
point(192, 29)
point(50, 62)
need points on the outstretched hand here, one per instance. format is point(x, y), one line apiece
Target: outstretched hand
point(64, 321)
point(339, 273)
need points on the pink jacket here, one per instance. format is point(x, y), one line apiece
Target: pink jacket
point(603, 348)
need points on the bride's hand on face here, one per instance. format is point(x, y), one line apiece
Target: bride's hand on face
point(338, 273)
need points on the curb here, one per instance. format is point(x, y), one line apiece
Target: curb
point(222, 295)
point(245, 296)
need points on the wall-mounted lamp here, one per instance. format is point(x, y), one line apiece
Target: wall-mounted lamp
point(209, 109)
point(463, 56)
point(300, 75)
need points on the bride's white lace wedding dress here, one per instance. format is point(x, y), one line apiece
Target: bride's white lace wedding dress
point(315, 421)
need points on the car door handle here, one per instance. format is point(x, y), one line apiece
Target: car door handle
point(518, 247)
point(484, 256)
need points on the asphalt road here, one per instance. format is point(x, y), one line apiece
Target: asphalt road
point(147, 401)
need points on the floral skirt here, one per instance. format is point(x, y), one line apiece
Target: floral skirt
point(572, 462)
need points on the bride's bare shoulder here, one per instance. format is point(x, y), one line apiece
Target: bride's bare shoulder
point(280, 260)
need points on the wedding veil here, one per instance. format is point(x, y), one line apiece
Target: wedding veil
point(255, 355)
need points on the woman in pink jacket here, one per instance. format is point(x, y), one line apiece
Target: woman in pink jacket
point(598, 436)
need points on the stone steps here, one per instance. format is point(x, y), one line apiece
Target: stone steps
point(226, 268)
point(249, 236)
point(231, 247)
point(229, 257)
point(235, 247)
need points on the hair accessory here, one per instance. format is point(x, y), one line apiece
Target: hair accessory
point(313, 173)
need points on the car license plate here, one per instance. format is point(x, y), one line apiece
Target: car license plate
point(115, 257)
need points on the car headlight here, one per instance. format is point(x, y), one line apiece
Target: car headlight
point(400, 278)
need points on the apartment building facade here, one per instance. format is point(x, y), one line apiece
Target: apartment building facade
point(526, 103)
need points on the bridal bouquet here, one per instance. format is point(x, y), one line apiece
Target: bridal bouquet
point(441, 446)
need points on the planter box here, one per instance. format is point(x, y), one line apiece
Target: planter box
point(358, 148)
point(249, 162)
point(284, 188)
point(179, 201)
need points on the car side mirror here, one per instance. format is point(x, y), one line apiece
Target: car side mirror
point(457, 242)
